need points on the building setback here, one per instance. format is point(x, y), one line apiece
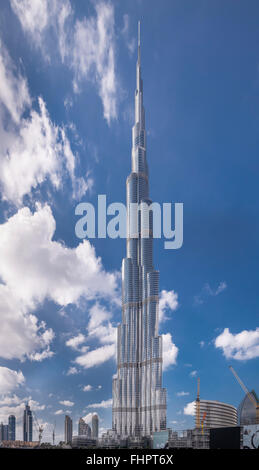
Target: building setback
point(139, 401)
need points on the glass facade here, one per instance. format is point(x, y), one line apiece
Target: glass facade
point(27, 424)
point(247, 410)
point(139, 401)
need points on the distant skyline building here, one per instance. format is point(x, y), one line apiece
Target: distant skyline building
point(68, 429)
point(4, 432)
point(218, 414)
point(95, 426)
point(247, 411)
point(11, 428)
point(27, 424)
point(83, 428)
point(139, 401)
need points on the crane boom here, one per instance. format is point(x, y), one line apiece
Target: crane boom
point(250, 396)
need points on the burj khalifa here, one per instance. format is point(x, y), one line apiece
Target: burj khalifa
point(139, 400)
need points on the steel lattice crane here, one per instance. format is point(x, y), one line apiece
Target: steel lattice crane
point(39, 427)
point(250, 396)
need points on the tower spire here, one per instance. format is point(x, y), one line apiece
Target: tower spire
point(139, 42)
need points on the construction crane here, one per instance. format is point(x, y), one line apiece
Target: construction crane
point(250, 396)
point(39, 427)
point(198, 420)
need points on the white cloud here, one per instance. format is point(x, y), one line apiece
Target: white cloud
point(87, 388)
point(207, 291)
point(88, 418)
point(97, 356)
point(242, 346)
point(170, 351)
point(189, 409)
point(10, 379)
point(59, 412)
point(87, 46)
point(202, 344)
point(33, 149)
point(75, 341)
point(182, 394)
point(130, 42)
point(67, 403)
point(72, 371)
point(102, 404)
point(34, 268)
point(168, 301)
point(193, 373)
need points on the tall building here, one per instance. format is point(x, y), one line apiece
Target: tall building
point(218, 414)
point(95, 426)
point(68, 429)
point(11, 428)
point(247, 410)
point(27, 424)
point(4, 432)
point(83, 428)
point(139, 401)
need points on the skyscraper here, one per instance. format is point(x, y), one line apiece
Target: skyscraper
point(4, 432)
point(139, 401)
point(11, 427)
point(95, 426)
point(27, 424)
point(68, 429)
point(83, 428)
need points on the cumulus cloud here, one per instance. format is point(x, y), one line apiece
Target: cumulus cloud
point(10, 379)
point(102, 404)
point(88, 418)
point(168, 301)
point(189, 409)
point(72, 371)
point(34, 268)
point(182, 394)
point(59, 412)
point(170, 351)
point(66, 403)
point(87, 388)
point(86, 46)
point(193, 373)
point(96, 356)
point(241, 346)
point(75, 341)
point(33, 149)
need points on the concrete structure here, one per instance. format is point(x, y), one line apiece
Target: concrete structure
point(27, 424)
point(11, 428)
point(95, 426)
point(68, 429)
point(83, 428)
point(190, 438)
point(247, 411)
point(218, 414)
point(83, 441)
point(139, 400)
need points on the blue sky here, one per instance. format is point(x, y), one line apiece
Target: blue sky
point(67, 79)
